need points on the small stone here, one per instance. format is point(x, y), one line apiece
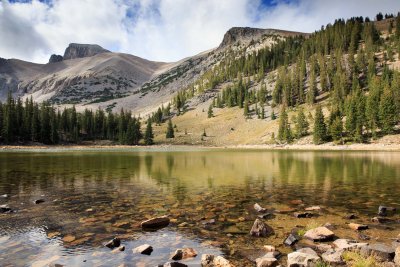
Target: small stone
point(258, 208)
point(348, 244)
point(156, 223)
point(313, 208)
point(302, 215)
point(264, 216)
point(319, 234)
point(5, 196)
point(358, 227)
point(291, 240)
point(114, 243)
point(382, 211)
point(266, 262)
point(261, 229)
point(184, 253)
point(53, 234)
point(209, 222)
point(296, 259)
point(118, 249)
point(208, 260)
point(381, 252)
point(333, 257)
point(269, 248)
point(143, 249)
point(397, 257)
point(350, 216)
point(38, 201)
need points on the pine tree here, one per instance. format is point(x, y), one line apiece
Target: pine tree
point(273, 116)
point(148, 136)
point(210, 111)
point(284, 131)
point(387, 111)
point(246, 109)
point(336, 129)
point(170, 130)
point(319, 135)
point(301, 124)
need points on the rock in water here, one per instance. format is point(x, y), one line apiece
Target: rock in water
point(155, 223)
point(258, 208)
point(296, 259)
point(184, 253)
point(5, 208)
point(381, 252)
point(143, 249)
point(319, 234)
point(261, 229)
point(208, 260)
point(114, 243)
point(38, 201)
point(173, 264)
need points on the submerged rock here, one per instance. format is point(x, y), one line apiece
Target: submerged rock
point(156, 223)
point(381, 252)
point(319, 234)
point(114, 243)
point(143, 249)
point(184, 253)
point(173, 264)
point(260, 229)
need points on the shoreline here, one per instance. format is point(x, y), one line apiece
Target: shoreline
point(292, 147)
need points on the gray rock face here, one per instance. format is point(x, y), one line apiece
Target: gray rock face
point(82, 50)
point(261, 229)
point(380, 251)
point(55, 58)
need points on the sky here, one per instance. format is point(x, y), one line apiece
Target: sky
point(159, 30)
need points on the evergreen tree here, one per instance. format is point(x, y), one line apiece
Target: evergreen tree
point(284, 131)
point(301, 124)
point(336, 129)
point(387, 111)
point(170, 130)
point(319, 135)
point(210, 111)
point(148, 136)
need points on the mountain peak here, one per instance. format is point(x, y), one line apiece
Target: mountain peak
point(83, 50)
point(240, 33)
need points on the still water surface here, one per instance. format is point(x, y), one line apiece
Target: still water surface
point(93, 195)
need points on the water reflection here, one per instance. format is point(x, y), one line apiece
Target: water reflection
point(95, 195)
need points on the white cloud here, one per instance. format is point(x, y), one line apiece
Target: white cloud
point(163, 30)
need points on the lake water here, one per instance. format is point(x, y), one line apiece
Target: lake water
point(92, 196)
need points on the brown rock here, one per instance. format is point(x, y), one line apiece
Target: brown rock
point(156, 223)
point(184, 253)
point(319, 234)
point(68, 238)
point(208, 260)
point(258, 208)
point(143, 249)
point(266, 262)
point(358, 227)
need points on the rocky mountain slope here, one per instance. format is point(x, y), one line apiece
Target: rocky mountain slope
point(90, 76)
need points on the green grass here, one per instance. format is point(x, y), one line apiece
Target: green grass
point(354, 259)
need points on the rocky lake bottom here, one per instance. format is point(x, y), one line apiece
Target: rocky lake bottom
point(213, 200)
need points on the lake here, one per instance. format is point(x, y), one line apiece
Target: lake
point(92, 196)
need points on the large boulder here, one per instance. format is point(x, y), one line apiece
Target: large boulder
point(260, 229)
point(208, 260)
point(319, 234)
point(296, 259)
point(380, 251)
point(155, 223)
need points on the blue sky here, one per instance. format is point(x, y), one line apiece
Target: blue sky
point(161, 30)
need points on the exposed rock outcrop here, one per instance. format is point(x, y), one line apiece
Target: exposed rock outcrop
point(82, 50)
point(55, 58)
